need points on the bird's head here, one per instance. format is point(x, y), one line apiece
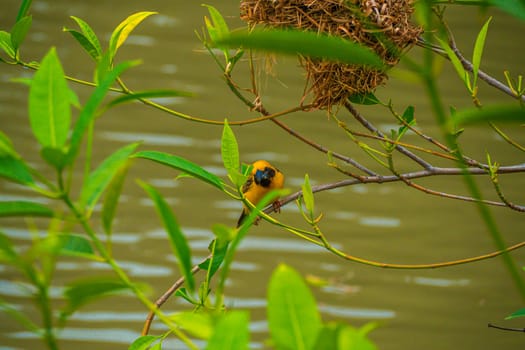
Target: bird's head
point(263, 173)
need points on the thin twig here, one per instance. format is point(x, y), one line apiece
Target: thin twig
point(379, 179)
point(373, 129)
point(490, 325)
point(160, 301)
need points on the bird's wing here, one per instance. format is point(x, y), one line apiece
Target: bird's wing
point(247, 185)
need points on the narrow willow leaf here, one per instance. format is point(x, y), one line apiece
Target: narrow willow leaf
point(224, 338)
point(24, 208)
point(112, 197)
point(293, 318)
point(94, 48)
point(179, 244)
point(84, 42)
point(219, 247)
point(293, 42)
point(198, 324)
point(144, 342)
point(24, 9)
point(462, 73)
point(19, 31)
point(49, 103)
point(494, 113)
point(219, 23)
point(15, 170)
point(308, 195)
point(478, 51)
point(6, 147)
point(6, 45)
point(518, 313)
point(88, 113)
point(408, 118)
point(121, 33)
point(183, 165)
point(76, 246)
point(230, 154)
point(19, 315)
point(101, 177)
point(138, 95)
point(90, 289)
point(8, 253)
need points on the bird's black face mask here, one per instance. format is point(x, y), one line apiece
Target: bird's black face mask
point(264, 177)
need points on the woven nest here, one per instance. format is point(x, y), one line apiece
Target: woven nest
point(382, 25)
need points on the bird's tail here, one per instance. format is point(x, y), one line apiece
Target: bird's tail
point(241, 218)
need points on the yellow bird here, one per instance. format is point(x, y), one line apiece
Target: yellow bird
point(263, 178)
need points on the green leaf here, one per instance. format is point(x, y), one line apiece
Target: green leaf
point(18, 314)
point(6, 147)
point(367, 99)
point(24, 208)
point(57, 157)
point(88, 290)
point(308, 195)
point(183, 165)
point(462, 73)
point(514, 7)
point(494, 113)
point(219, 246)
point(183, 293)
point(198, 324)
point(49, 103)
point(121, 33)
point(144, 342)
point(219, 24)
point(518, 313)
point(88, 113)
point(231, 332)
point(84, 42)
point(6, 45)
point(230, 154)
point(354, 339)
point(328, 337)
point(15, 170)
point(87, 38)
point(138, 95)
point(77, 246)
point(478, 51)
point(19, 31)
point(293, 318)
point(24, 9)
point(101, 177)
point(113, 191)
point(293, 42)
point(408, 118)
point(178, 241)
point(8, 253)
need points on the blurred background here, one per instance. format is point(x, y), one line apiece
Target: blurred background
point(415, 309)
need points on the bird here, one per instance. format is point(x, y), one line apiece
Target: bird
point(264, 177)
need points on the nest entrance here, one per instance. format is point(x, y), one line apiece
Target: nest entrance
point(382, 25)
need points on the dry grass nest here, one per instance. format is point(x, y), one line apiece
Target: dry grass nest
point(382, 25)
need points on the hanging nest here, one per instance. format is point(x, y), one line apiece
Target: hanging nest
point(382, 25)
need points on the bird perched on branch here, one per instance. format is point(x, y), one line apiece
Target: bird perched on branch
point(263, 178)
